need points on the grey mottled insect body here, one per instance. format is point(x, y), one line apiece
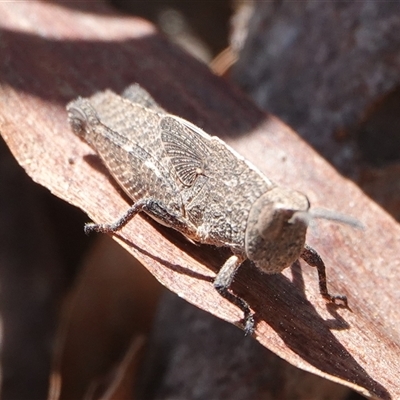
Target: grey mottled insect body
point(196, 184)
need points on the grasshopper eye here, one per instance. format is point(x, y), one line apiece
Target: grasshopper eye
point(274, 238)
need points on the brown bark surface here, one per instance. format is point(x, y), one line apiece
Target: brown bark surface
point(52, 53)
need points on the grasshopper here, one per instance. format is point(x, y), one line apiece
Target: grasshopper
point(196, 184)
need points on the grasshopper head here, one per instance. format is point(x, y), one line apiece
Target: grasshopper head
point(276, 229)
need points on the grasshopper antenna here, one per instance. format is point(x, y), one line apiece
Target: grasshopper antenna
point(321, 213)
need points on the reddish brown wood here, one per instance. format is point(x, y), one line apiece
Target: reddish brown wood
point(52, 53)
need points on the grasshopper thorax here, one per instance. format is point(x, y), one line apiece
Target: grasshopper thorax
point(276, 229)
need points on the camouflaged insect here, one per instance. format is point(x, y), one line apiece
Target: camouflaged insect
point(195, 183)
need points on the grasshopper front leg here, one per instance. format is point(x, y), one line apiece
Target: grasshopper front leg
point(222, 282)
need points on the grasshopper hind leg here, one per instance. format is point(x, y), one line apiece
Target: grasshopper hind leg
point(154, 209)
